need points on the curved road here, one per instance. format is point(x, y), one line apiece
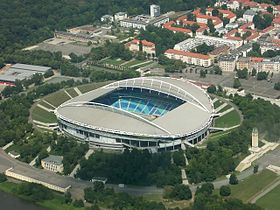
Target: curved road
point(77, 185)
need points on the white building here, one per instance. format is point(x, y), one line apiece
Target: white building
point(249, 15)
point(53, 163)
point(107, 18)
point(120, 16)
point(142, 21)
point(154, 10)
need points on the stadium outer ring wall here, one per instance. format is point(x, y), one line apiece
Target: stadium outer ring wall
point(128, 140)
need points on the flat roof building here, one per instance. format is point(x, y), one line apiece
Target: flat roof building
point(53, 163)
point(22, 71)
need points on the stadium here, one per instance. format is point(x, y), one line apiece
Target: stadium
point(154, 113)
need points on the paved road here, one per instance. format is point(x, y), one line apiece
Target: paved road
point(77, 186)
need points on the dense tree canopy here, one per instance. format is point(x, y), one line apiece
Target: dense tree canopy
point(135, 167)
point(27, 22)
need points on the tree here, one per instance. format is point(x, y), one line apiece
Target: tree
point(211, 89)
point(254, 72)
point(217, 70)
point(233, 179)
point(98, 186)
point(180, 192)
point(191, 17)
point(202, 73)
point(269, 9)
point(277, 86)
point(262, 75)
point(225, 21)
point(224, 6)
point(236, 83)
point(67, 197)
point(3, 178)
point(225, 191)
point(256, 169)
point(78, 203)
point(206, 188)
point(194, 27)
point(242, 74)
point(215, 12)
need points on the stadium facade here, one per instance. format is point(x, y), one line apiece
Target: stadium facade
point(155, 113)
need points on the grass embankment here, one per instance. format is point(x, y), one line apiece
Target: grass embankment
point(57, 98)
point(57, 203)
point(228, 120)
point(271, 200)
point(91, 86)
point(225, 108)
point(42, 115)
point(246, 189)
point(72, 92)
point(217, 104)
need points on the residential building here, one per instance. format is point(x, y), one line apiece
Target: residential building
point(53, 163)
point(154, 10)
point(142, 21)
point(249, 15)
point(243, 62)
point(147, 47)
point(189, 57)
point(120, 16)
point(218, 51)
point(227, 63)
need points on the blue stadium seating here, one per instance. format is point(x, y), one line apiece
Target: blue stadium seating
point(139, 101)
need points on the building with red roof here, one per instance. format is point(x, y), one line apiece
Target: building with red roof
point(226, 14)
point(147, 47)
point(201, 18)
point(197, 59)
point(171, 25)
point(276, 22)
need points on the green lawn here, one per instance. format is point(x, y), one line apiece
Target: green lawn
point(91, 86)
point(133, 62)
point(43, 115)
point(271, 200)
point(225, 108)
point(57, 203)
point(228, 120)
point(252, 185)
point(143, 65)
point(72, 92)
point(57, 98)
point(113, 61)
point(217, 104)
